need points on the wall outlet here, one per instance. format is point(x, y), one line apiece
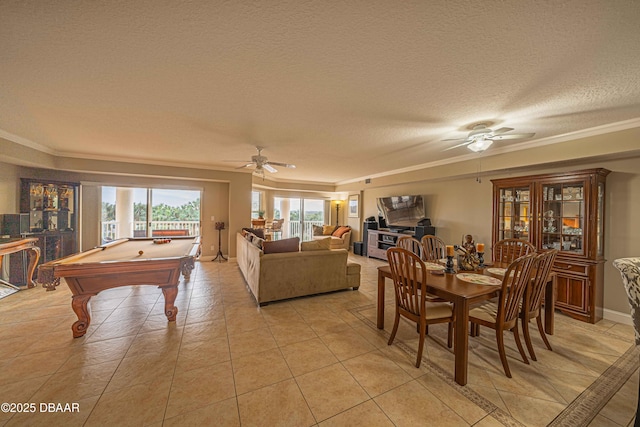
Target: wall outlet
point(213, 248)
point(213, 218)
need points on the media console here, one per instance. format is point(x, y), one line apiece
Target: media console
point(379, 241)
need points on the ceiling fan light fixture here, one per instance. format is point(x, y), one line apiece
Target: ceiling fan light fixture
point(479, 145)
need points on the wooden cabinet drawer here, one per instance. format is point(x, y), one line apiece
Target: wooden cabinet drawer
point(568, 266)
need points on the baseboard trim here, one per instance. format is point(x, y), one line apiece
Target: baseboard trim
point(211, 257)
point(618, 317)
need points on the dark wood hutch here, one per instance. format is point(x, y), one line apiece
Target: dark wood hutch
point(563, 211)
point(52, 207)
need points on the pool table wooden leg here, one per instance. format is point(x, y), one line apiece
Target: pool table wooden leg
point(186, 267)
point(79, 304)
point(170, 294)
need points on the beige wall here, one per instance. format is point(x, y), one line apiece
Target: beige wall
point(9, 189)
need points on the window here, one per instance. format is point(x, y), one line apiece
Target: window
point(256, 204)
point(146, 212)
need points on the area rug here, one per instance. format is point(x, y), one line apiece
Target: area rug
point(5, 290)
point(580, 412)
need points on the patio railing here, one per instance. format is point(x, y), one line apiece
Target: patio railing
point(109, 228)
point(303, 230)
point(294, 228)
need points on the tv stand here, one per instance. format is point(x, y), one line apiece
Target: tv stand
point(378, 241)
point(399, 230)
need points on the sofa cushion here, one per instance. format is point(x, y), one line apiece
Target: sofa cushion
point(316, 245)
point(341, 231)
point(327, 230)
point(317, 230)
point(279, 246)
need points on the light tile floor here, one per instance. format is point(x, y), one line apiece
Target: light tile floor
point(305, 362)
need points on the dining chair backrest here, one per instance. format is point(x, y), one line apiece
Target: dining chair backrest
point(542, 270)
point(508, 250)
point(434, 247)
point(630, 270)
point(276, 225)
point(409, 280)
point(411, 244)
point(514, 284)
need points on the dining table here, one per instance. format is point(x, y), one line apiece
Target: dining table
point(458, 289)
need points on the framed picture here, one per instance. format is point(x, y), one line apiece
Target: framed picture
point(354, 206)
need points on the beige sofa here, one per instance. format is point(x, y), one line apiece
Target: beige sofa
point(278, 276)
point(343, 242)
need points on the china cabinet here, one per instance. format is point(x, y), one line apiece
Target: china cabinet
point(563, 211)
point(52, 208)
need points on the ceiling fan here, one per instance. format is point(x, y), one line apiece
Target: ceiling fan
point(261, 164)
point(481, 137)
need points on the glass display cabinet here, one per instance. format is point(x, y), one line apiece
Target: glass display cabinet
point(52, 208)
point(563, 211)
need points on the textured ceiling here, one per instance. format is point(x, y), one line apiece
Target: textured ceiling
point(344, 90)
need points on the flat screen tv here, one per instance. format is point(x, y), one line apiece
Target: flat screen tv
point(401, 211)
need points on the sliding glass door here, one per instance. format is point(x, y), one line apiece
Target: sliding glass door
point(149, 212)
point(299, 215)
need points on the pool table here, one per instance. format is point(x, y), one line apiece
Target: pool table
point(122, 262)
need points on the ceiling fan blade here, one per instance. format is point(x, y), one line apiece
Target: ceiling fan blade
point(502, 130)
point(270, 168)
point(457, 139)
point(459, 145)
point(247, 165)
point(511, 136)
point(284, 165)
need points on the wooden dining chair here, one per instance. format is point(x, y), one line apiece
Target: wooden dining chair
point(409, 282)
point(508, 250)
point(434, 248)
point(503, 315)
point(411, 244)
point(533, 296)
point(414, 245)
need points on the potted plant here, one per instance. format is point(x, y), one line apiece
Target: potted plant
point(260, 214)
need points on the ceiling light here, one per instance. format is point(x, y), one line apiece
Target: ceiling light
point(479, 145)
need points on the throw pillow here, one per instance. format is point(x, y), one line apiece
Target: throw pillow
point(327, 230)
point(341, 231)
point(316, 245)
point(317, 230)
point(257, 231)
point(278, 246)
point(258, 242)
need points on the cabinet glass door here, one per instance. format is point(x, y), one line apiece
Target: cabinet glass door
point(514, 213)
point(563, 218)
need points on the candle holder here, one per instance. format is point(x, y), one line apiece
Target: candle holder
point(481, 259)
point(449, 265)
point(219, 257)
